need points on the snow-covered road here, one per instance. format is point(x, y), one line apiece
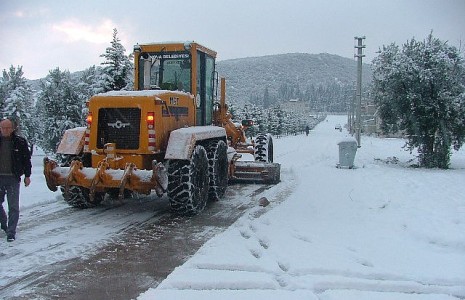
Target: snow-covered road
point(113, 251)
point(52, 232)
point(381, 231)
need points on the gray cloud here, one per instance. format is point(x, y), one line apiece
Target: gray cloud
point(42, 35)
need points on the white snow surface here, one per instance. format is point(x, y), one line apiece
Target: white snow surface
point(380, 231)
point(383, 230)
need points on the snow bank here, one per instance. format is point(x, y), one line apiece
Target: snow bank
point(380, 231)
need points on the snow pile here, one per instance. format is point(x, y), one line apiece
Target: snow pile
point(379, 231)
point(37, 193)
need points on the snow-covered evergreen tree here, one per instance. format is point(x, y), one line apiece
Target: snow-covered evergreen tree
point(59, 107)
point(275, 121)
point(118, 68)
point(255, 113)
point(17, 101)
point(266, 98)
point(419, 89)
point(89, 84)
point(272, 120)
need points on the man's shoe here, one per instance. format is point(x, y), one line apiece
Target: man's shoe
point(4, 228)
point(10, 238)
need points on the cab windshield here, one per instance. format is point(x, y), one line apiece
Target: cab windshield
point(166, 71)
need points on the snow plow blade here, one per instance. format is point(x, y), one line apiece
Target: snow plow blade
point(102, 178)
point(255, 172)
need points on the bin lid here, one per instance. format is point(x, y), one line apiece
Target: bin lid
point(347, 141)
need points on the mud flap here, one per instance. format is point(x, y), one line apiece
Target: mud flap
point(160, 177)
point(256, 172)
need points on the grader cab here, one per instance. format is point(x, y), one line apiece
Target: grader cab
point(170, 135)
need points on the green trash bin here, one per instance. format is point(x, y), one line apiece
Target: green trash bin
point(347, 150)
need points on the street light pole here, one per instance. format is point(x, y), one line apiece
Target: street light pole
point(358, 94)
point(352, 112)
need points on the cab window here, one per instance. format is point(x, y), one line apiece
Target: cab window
point(168, 71)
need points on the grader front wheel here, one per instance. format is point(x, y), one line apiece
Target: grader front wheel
point(189, 183)
point(263, 150)
point(217, 169)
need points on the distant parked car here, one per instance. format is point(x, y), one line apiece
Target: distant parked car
point(338, 127)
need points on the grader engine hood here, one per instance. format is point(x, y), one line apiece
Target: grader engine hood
point(138, 121)
point(127, 133)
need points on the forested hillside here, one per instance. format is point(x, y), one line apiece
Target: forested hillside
point(256, 86)
point(323, 79)
point(327, 81)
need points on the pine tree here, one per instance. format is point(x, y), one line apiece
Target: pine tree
point(17, 101)
point(117, 70)
point(89, 84)
point(420, 90)
point(59, 106)
point(275, 121)
point(266, 98)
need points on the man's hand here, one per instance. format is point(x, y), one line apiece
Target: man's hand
point(27, 181)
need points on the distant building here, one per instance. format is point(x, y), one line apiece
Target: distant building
point(370, 119)
point(371, 122)
point(295, 106)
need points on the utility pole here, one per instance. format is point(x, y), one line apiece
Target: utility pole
point(359, 46)
point(352, 112)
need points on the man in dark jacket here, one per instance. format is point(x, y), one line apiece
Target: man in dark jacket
point(15, 161)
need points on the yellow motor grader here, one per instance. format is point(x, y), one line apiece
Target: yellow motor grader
point(170, 135)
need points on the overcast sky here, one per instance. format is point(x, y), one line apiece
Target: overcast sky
point(70, 34)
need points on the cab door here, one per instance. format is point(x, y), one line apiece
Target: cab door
point(205, 88)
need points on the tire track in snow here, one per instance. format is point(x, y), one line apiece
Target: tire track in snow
point(136, 245)
point(52, 233)
point(320, 281)
point(323, 282)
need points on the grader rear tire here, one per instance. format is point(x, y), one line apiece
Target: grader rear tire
point(263, 148)
point(217, 153)
point(188, 183)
